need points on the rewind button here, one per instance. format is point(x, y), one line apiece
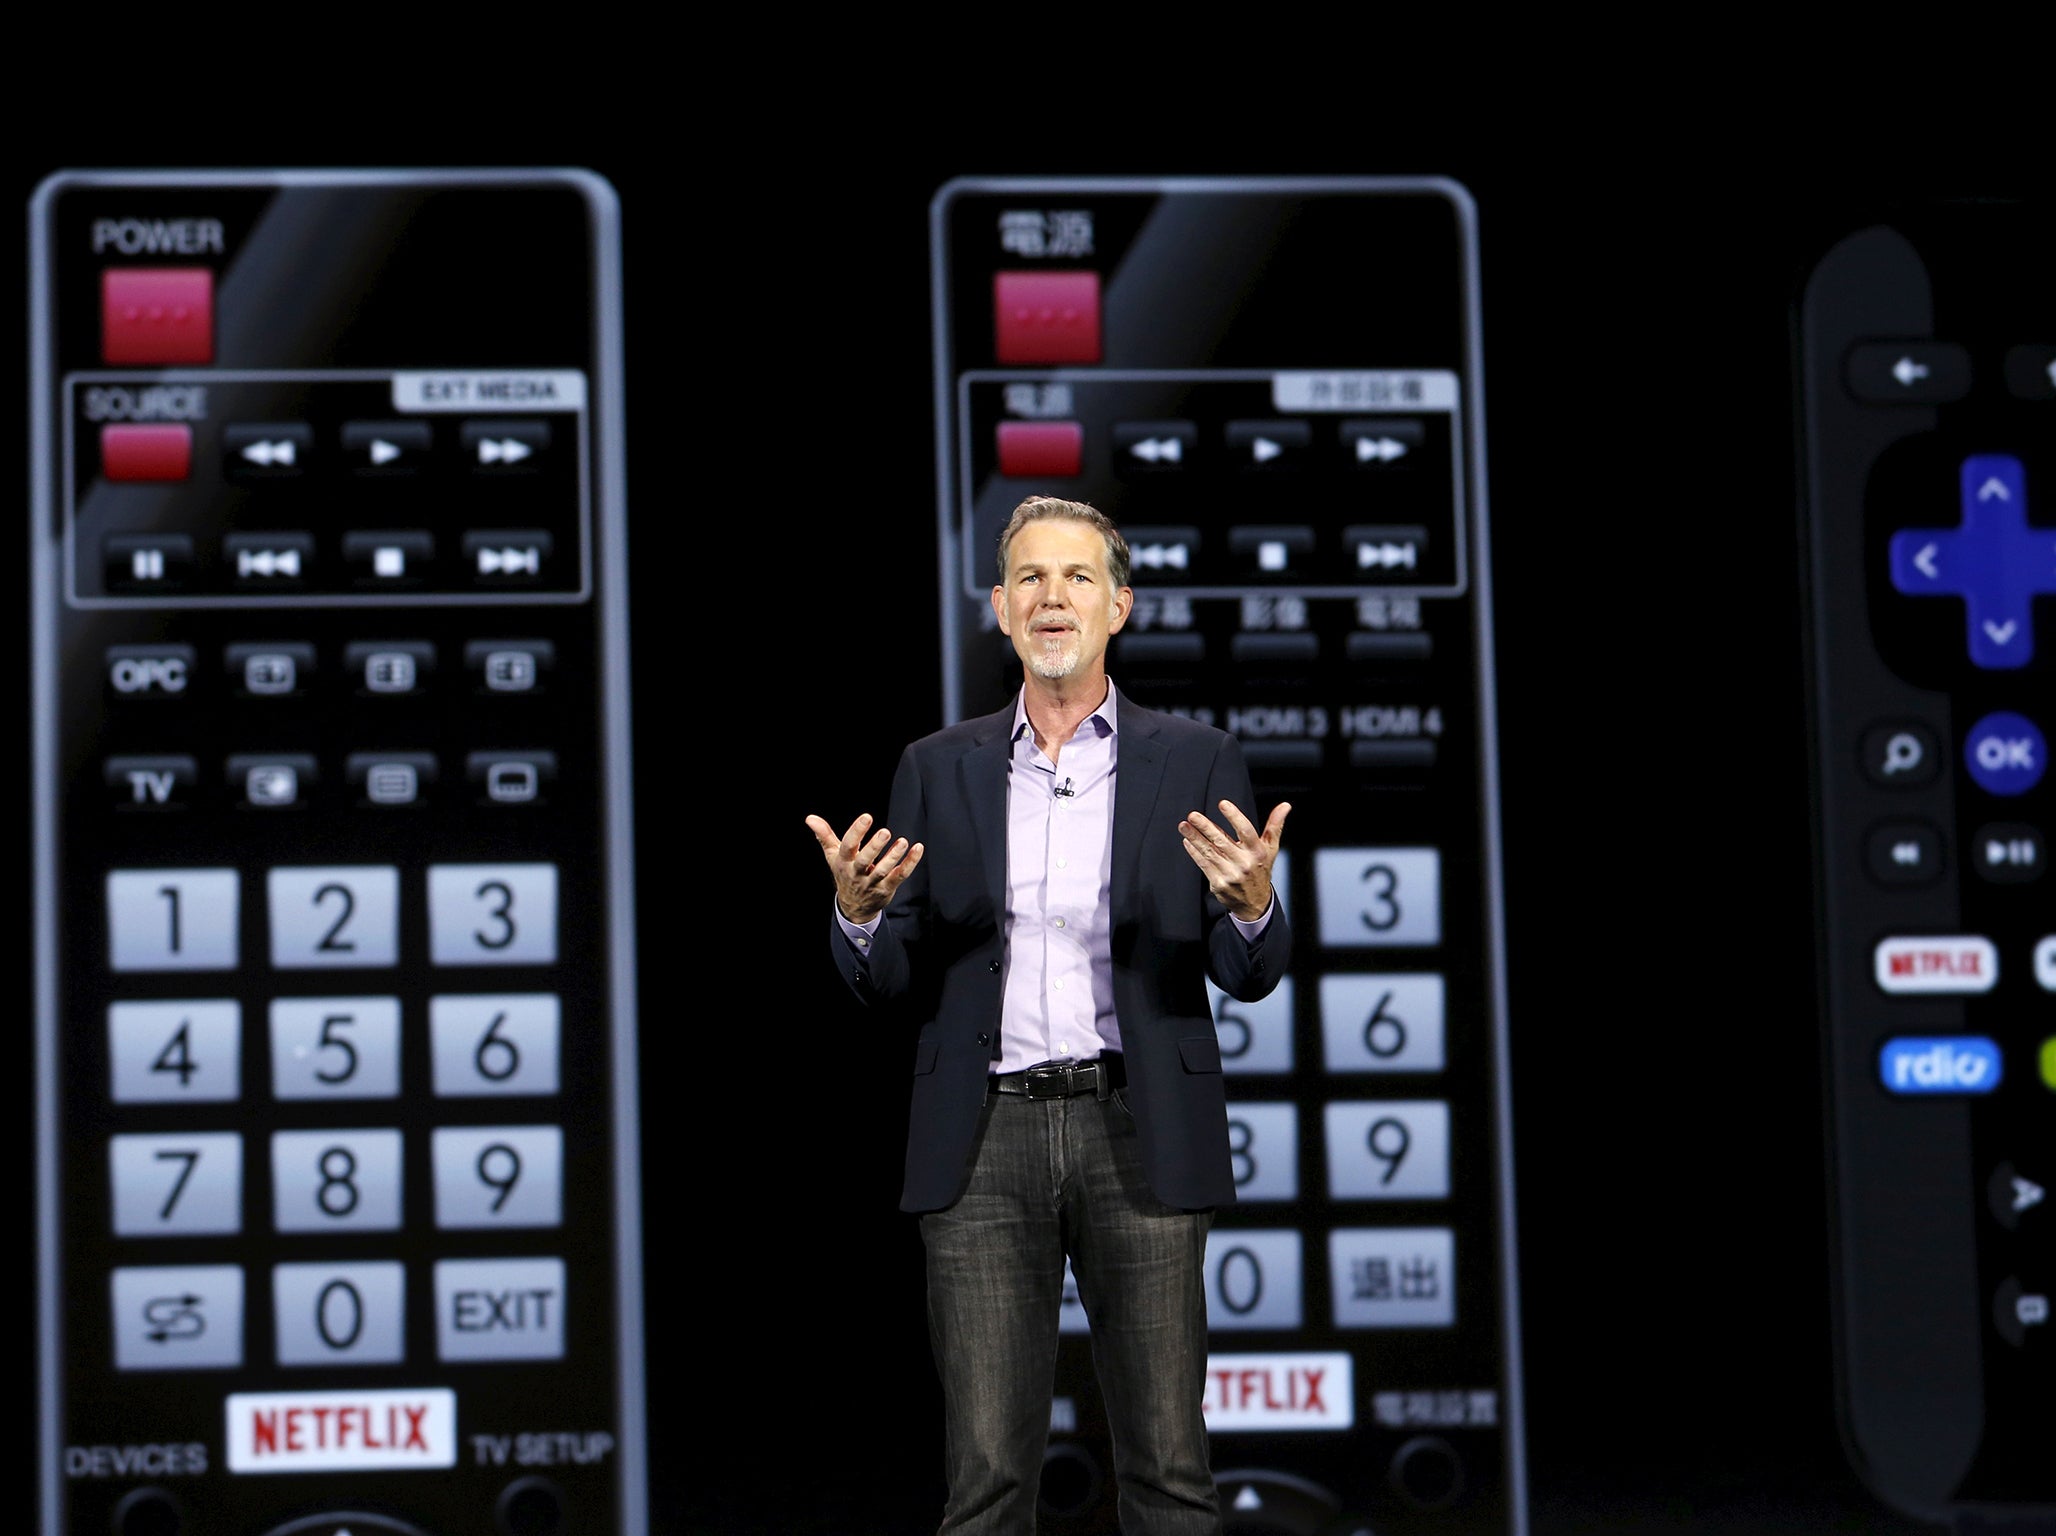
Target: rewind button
point(1147, 447)
point(274, 450)
point(507, 559)
point(1904, 853)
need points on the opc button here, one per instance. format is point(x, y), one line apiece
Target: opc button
point(157, 315)
point(146, 451)
point(1039, 449)
point(1045, 317)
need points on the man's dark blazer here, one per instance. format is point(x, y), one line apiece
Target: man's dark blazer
point(938, 959)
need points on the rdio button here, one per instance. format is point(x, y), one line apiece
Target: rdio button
point(1948, 1064)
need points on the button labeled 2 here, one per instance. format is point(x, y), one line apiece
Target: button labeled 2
point(324, 917)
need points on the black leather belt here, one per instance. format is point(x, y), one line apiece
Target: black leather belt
point(1098, 1077)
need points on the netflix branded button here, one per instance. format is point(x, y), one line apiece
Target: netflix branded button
point(341, 1431)
point(1046, 317)
point(1947, 963)
point(1273, 1392)
point(1041, 449)
point(157, 315)
point(152, 451)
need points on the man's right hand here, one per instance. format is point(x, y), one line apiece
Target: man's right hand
point(868, 866)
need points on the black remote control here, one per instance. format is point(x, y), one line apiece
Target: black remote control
point(1274, 385)
point(1927, 360)
point(335, 1052)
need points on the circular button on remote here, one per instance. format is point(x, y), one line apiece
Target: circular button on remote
point(1901, 754)
point(2006, 754)
point(346, 1523)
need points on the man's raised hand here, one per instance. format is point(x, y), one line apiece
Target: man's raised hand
point(1237, 864)
point(868, 866)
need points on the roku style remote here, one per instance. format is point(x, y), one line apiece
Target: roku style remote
point(1927, 352)
point(336, 1142)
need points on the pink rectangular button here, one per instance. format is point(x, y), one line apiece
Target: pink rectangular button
point(139, 451)
point(1039, 449)
point(1046, 317)
point(157, 315)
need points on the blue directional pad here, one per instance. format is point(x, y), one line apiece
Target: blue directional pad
point(1993, 561)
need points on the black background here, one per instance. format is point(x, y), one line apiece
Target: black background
point(1640, 257)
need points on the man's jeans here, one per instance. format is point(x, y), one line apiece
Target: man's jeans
point(1051, 1176)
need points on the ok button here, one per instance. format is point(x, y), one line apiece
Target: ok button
point(2006, 754)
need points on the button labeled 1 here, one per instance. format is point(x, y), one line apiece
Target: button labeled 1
point(172, 919)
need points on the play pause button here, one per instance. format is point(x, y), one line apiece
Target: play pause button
point(2010, 853)
point(386, 447)
point(1905, 853)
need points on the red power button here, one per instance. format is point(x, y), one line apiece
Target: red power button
point(157, 315)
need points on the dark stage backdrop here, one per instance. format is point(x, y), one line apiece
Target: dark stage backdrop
point(1637, 277)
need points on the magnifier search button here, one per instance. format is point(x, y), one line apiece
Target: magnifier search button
point(1902, 754)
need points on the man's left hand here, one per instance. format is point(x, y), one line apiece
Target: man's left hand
point(1237, 864)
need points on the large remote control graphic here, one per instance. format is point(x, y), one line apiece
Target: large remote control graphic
point(1274, 387)
point(335, 1050)
point(1927, 351)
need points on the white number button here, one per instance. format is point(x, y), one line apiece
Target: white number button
point(494, 1045)
point(336, 1181)
point(1389, 1150)
point(1255, 1037)
point(172, 919)
point(170, 1053)
point(1382, 1023)
point(177, 1186)
point(1263, 1150)
point(499, 1309)
point(492, 914)
point(499, 1176)
point(335, 1047)
point(327, 917)
point(340, 1314)
point(1253, 1279)
point(1376, 896)
point(184, 1317)
point(1393, 1277)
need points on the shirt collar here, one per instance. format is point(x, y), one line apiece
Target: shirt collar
point(1107, 717)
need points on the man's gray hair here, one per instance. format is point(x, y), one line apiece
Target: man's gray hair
point(1035, 508)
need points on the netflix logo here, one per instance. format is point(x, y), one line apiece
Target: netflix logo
point(1952, 964)
point(341, 1431)
point(1274, 1392)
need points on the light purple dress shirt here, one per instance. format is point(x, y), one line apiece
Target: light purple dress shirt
point(1058, 1005)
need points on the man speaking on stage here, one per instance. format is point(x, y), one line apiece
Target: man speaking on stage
point(1053, 887)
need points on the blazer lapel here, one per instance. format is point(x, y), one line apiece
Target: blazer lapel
point(983, 770)
point(1138, 777)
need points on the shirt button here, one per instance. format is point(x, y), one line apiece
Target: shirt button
point(1062, 862)
point(1060, 922)
point(1060, 986)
